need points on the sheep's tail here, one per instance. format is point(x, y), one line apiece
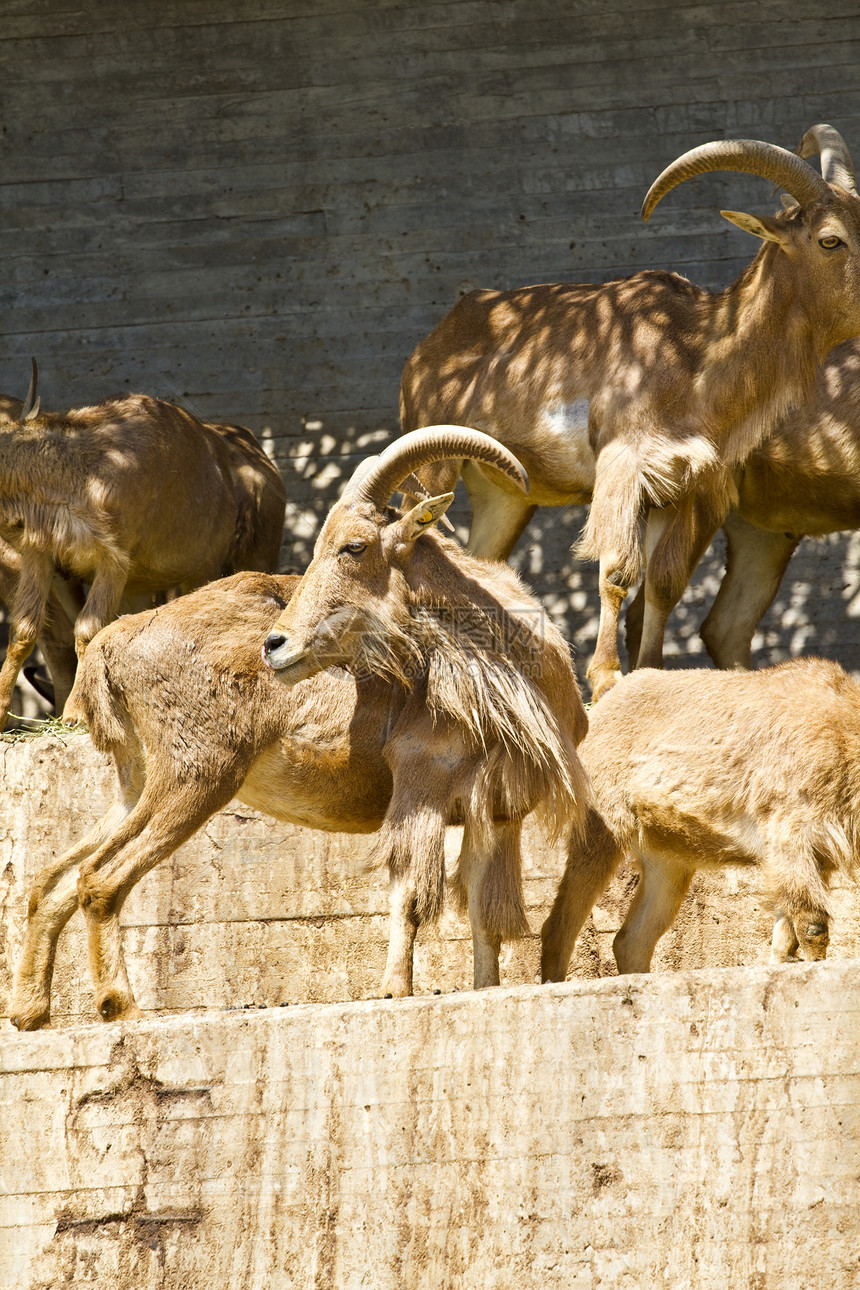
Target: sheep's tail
point(95, 701)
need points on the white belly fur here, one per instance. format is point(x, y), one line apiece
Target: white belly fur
point(567, 461)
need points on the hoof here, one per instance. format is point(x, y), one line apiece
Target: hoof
point(33, 1018)
point(390, 990)
point(118, 1007)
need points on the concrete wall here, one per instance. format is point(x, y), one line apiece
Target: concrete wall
point(253, 912)
point(692, 1130)
point(259, 209)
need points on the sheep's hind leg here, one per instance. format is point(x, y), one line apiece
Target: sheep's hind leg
point(102, 604)
point(53, 900)
point(604, 670)
point(676, 538)
point(662, 886)
point(159, 824)
point(498, 517)
point(592, 860)
point(28, 616)
point(812, 928)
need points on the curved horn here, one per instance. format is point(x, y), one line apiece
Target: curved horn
point(836, 164)
point(408, 484)
point(31, 403)
point(376, 480)
point(768, 161)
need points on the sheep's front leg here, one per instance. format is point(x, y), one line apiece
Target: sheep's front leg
point(28, 615)
point(676, 538)
point(102, 604)
point(402, 929)
point(604, 670)
point(489, 881)
point(424, 760)
point(413, 840)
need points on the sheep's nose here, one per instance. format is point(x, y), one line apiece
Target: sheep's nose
point(278, 652)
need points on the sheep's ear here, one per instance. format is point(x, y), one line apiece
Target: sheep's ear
point(422, 517)
point(763, 226)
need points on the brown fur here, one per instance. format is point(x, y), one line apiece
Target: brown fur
point(681, 385)
point(132, 496)
point(491, 690)
point(181, 699)
point(56, 639)
point(704, 768)
point(804, 480)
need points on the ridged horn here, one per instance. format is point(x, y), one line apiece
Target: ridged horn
point(836, 164)
point(375, 480)
point(782, 167)
point(31, 403)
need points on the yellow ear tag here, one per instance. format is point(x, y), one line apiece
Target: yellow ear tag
point(426, 517)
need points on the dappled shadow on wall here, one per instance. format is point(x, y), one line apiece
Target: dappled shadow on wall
point(817, 608)
point(815, 612)
point(315, 470)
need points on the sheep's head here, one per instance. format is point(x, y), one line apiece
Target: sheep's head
point(352, 608)
point(818, 233)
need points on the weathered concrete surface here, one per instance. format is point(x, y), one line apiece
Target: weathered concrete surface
point(695, 1130)
point(253, 911)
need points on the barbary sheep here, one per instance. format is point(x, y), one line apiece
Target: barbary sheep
point(134, 495)
point(704, 768)
point(462, 708)
point(643, 394)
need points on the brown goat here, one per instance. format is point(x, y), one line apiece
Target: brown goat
point(646, 392)
point(134, 495)
point(703, 768)
point(802, 481)
point(56, 639)
point(495, 709)
point(473, 718)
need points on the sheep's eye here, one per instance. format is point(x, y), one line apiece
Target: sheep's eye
point(355, 547)
point(830, 242)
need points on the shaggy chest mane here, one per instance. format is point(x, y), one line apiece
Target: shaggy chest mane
point(482, 672)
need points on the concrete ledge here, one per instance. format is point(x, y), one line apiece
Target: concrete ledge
point(690, 1130)
point(253, 911)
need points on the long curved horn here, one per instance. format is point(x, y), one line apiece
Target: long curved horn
point(408, 484)
point(376, 480)
point(31, 403)
point(836, 164)
point(768, 161)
